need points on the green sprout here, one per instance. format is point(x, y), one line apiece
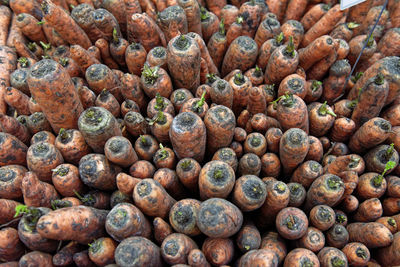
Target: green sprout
point(377, 181)
point(150, 74)
point(324, 110)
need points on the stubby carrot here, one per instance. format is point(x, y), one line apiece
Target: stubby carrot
point(227, 217)
point(12, 126)
point(274, 242)
point(11, 145)
point(72, 145)
point(371, 234)
point(249, 237)
point(356, 253)
point(330, 256)
point(293, 148)
point(188, 171)
point(291, 223)
point(66, 180)
point(31, 186)
point(141, 251)
point(292, 113)
point(299, 257)
point(142, 28)
point(313, 240)
point(11, 248)
point(11, 178)
point(313, 15)
point(176, 247)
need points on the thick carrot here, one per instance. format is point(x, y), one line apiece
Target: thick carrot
point(138, 250)
point(299, 257)
point(270, 165)
point(31, 186)
point(334, 83)
point(192, 11)
point(146, 146)
point(173, 21)
point(11, 178)
point(66, 180)
point(135, 123)
point(292, 113)
point(330, 256)
point(249, 237)
point(371, 234)
point(13, 150)
point(313, 91)
point(170, 182)
point(217, 45)
point(176, 247)
point(106, 23)
point(315, 51)
point(323, 26)
point(218, 251)
point(159, 103)
point(82, 14)
point(126, 220)
point(30, 28)
point(306, 173)
point(11, 248)
point(188, 171)
point(291, 223)
point(357, 253)
point(249, 163)
point(278, 7)
point(293, 148)
point(72, 145)
point(313, 240)
point(12, 126)
point(37, 122)
point(282, 62)
point(390, 255)
point(144, 194)
point(293, 84)
point(209, 23)
point(228, 14)
point(142, 28)
point(216, 179)
point(388, 45)
point(249, 193)
point(371, 133)
point(182, 216)
point(294, 29)
point(18, 80)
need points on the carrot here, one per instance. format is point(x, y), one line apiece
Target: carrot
point(143, 194)
point(391, 206)
point(170, 182)
point(322, 217)
point(97, 125)
point(100, 77)
point(270, 165)
point(297, 194)
point(369, 210)
point(27, 229)
point(323, 26)
point(363, 139)
point(218, 251)
point(217, 46)
point(142, 28)
point(249, 163)
point(176, 247)
point(146, 146)
point(107, 101)
point(142, 169)
point(337, 236)
point(173, 21)
point(330, 256)
point(216, 179)
point(94, 229)
point(66, 180)
point(196, 258)
point(228, 14)
point(82, 259)
point(313, 90)
point(8, 211)
point(273, 136)
point(164, 158)
point(209, 24)
point(31, 186)
point(68, 29)
point(138, 250)
point(278, 7)
point(371, 234)
point(14, 151)
point(286, 59)
point(64, 256)
point(249, 193)
point(342, 129)
point(306, 173)
point(377, 159)
point(294, 29)
point(106, 22)
point(37, 258)
point(274, 242)
point(226, 218)
point(344, 31)
point(291, 223)
point(12, 126)
point(315, 51)
point(300, 256)
point(161, 229)
point(295, 10)
point(95, 199)
point(188, 171)
point(82, 14)
point(72, 145)
point(129, 105)
point(249, 237)
point(135, 123)
point(313, 240)
point(216, 7)
point(30, 27)
point(192, 11)
point(321, 118)
point(126, 183)
point(293, 148)
point(83, 57)
point(358, 13)
point(18, 80)
point(37, 122)
point(388, 45)
point(292, 112)
point(182, 216)
point(187, 144)
point(48, 72)
point(356, 253)
point(11, 178)
point(343, 49)
point(318, 70)
point(389, 255)
point(313, 15)
point(157, 57)
point(356, 45)
point(97, 172)
point(103, 46)
point(293, 84)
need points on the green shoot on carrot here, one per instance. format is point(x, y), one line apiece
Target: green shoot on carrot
point(377, 181)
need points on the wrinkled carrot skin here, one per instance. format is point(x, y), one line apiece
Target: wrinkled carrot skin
point(315, 51)
point(11, 145)
point(72, 145)
point(272, 241)
point(31, 185)
point(225, 250)
point(161, 229)
point(366, 233)
point(12, 126)
point(148, 253)
point(298, 255)
point(29, 27)
point(313, 15)
point(143, 29)
point(11, 248)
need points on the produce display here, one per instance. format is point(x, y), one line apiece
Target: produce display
point(199, 133)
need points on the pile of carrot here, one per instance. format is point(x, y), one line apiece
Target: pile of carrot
point(199, 133)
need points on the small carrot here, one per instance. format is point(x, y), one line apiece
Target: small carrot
point(293, 84)
point(330, 256)
point(182, 216)
point(12, 126)
point(249, 163)
point(300, 256)
point(170, 182)
point(182, 245)
point(11, 247)
point(82, 57)
point(196, 258)
point(356, 253)
point(65, 255)
point(314, 14)
point(31, 186)
point(142, 28)
point(315, 51)
point(313, 240)
point(148, 252)
point(18, 80)
point(218, 251)
point(37, 122)
point(188, 171)
point(270, 165)
point(367, 234)
point(291, 223)
point(11, 145)
point(249, 193)
point(292, 113)
point(146, 146)
point(209, 23)
point(66, 180)
point(294, 29)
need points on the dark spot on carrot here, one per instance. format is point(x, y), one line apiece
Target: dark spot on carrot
point(96, 72)
point(183, 215)
point(117, 217)
point(253, 189)
point(306, 262)
point(88, 168)
point(144, 188)
point(337, 262)
point(6, 175)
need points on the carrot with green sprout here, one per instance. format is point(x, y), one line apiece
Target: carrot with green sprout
point(146, 146)
point(160, 125)
point(66, 180)
point(72, 145)
point(30, 27)
point(268, 28)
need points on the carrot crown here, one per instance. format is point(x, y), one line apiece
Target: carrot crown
point(356, 77)
point(150, 74)
point(58, 204)
point(182, 42)
point(279, 38)
point(352, 104)
point(337, 262)
point(290, 51)
point(32, 46)
point(306, 263)
point(45, 46)
point(63, 134)
point(287, 100)
point(61, 171)
point(258, 71)
point(291, 222)
point(389, 152)
point(160, 105)
point(391, 222)
point(377, 180)
point(352, 25)
point(23, 61)
point(200, 103)
point(239, 79)
point(379, 79)
point(95, 246)
point(71, 6)
point(218, 174)
point(324, 110)
point(91, 114)
point(211, 78)
point(340, 218)
point(86, 199)
point(222, 27)
point(334, 183)
point(163, 152)
point(315, 85)
point(239, 20)
point(370, 40)
point(115, 36)
point(64, 61)
point(31, 215)
point(204, 14)
point(143, 140)
point(186, 164)
point(255, 141)
point(40, 22)
point(362, 253)
point(160, 118)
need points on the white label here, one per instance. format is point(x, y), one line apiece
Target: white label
point(349, 3)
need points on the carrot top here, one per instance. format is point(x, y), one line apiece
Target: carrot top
point(279, 38)
point(337, 262)
point(292, 222)
point(95, 246)
point(258, 72)
point(31, 215)
point(379, 79)
point(211, 78)
point(204, 14)
point(361, 253)
point(222, 27)
point(40, 22)
point(87, 199)
point(59, 204)
point(199, 104)
point(389, 152)
point(64, 61)
point(218, 174)
point(391, 222)
point(32, 46)
point(239, 20)
point(160, 104)
point(23, 61)
point(377, 181)
point(186, 165)
point(334, 183)
point(356, 77)
point(239, 79)
point(159, 118)
point(323, 110)
point(61, 171)
point(182, 43)
point(144, 141)
point(163, 153)
point(315, 85)
point(290, 51)
point(340, 218)
point(352, 25)
point(150, 74)
point(354, 162)
point(370, 41)
point(115, 36)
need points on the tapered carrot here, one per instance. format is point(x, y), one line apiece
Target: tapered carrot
point(240, 85)
point(278, 7)
point(218, 251)
point(334, 84)
point(313, 15)
point(315, 51)
point(31, 186)
point(143, 29)
point(188, 171)
point(292, 113)
point(11, 248)
point(367, 233)
point(295, 140)
point(161, 229)
point(273, 241)
point(106, 23)
point(173, 21)
point(11, 145)
point(30, 28)
point(294, 29)
point(323, 26)
point(389, 255)
point(37, 122)
point(282, 62)
point(12, 126)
